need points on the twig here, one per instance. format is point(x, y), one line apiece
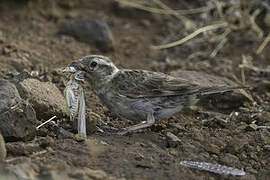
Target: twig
point(263, 127)
point(244, 59)
point(163, 11)
point(264, 44)
point(254, 25)
point(219, 47)
point(219, 6)
point(165, 7)
point(243, 76)
point(192, 35)
point(215, 168)
point(224, 39)
point(52, 118)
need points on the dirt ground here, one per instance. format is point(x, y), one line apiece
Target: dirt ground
point(30, 29)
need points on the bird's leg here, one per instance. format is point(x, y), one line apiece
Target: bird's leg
point(150, 121)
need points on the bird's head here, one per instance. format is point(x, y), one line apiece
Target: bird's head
point(96, 68)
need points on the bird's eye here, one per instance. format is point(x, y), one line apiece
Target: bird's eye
point(93, 64)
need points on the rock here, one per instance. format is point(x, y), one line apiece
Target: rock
point(211, 148)
point(91, 31)
point(79, 137)
point(64, 134)
point(264, 117)
point(45, 97)
point(172, 140)
point(3, 151)
point(251, 127)
point(46, 142)
point(230, 160)
point(96, 174)
point(22, 149)
point(91, 126)
point(17, 117)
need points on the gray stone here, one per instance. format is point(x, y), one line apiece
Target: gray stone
point(46, 98)
point(22, 149)
point(91, 31)
point(212, 148)
point(172, 140)
point(17, 116)
point(64, 134)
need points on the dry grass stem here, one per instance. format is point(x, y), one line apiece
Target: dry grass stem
point(192, 35)
point(264, 44)
point(223, 41)
point(254, 25)
point(165, 7)
point(219, 47)
point(163, 11)
point(243, 76)
point(52, 118)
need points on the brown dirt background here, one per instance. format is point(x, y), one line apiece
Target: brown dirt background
point(29, 28)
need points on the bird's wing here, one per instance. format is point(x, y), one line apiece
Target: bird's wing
point(141, 83)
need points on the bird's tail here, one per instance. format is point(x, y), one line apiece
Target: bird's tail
point(219, 89)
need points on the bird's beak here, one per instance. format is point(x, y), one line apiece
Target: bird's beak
point(75, 67)
point(72, 67)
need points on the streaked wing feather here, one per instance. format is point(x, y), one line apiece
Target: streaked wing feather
point(140, 84)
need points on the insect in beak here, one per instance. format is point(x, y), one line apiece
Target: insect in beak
point(79, 76)
point(70, 69)
point(74, 67)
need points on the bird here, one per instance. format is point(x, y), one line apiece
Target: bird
point(140, 95)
